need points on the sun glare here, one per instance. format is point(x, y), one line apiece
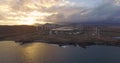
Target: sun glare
point(34, 17)
point(28, 21)
point(31, 21)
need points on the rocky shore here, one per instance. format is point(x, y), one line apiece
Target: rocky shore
point(26, 34)
point(64, 39)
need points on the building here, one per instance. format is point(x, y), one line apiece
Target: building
point(65, 31)
point(47, 26)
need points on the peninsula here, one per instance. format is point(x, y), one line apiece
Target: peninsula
point(62, 34)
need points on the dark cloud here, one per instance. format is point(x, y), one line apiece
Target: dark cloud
point(106, 12)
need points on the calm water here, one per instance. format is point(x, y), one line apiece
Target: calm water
point(11, 52)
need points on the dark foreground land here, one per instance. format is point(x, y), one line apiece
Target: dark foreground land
point(28, 34)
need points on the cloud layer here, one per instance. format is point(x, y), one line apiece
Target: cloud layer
point(16, 12)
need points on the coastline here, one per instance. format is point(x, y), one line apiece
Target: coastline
point(65, 40)
point(27, 34)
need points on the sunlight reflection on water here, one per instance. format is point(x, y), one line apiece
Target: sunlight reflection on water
point(11, 52)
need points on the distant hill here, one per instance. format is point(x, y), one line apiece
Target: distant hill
point(106, 23)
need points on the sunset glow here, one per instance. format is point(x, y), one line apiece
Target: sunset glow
point(28, 21)
point(29, 12)
point(33, 18)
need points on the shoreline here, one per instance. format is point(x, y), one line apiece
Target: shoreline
point(89, 36)
point(67, 40)
point(81, 44)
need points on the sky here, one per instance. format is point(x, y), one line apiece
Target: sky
point(28, 12)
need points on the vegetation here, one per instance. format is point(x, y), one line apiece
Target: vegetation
point(26, 34)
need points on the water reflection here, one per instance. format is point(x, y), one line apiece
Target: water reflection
point(31, 52)
point(11, 52)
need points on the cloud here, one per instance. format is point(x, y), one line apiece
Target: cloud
point(65, 11)
point(108, 12)
point(30, 5)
